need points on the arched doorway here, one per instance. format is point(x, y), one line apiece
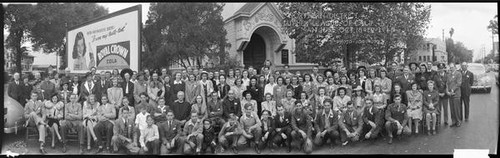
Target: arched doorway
point(255, 52)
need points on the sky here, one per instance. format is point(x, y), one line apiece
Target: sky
point(469, 20)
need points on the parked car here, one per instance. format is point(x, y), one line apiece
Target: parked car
point(13, 115)
point(482, 81)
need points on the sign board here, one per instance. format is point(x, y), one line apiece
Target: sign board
point(107, 43)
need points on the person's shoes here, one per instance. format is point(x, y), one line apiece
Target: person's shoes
point(428, 132)
point(99, 150)
point(446, 123)
point(390, 140)
point(345, 143)
point(42, 151)
point(64, 148)
point(459, 124)
point(289, 150)
point(81, 150)
point(53, 146)
point(453, 125)
point(257, 150)
point(235, 150)
point(433, 132)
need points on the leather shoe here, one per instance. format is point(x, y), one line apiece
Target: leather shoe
point(446, 123)
point(235, 151)
point(390, 140)
point(42, 151)
point(99, 150)
point(64, 148)
point(459, 124)
point(453, 125)
point(257, 149)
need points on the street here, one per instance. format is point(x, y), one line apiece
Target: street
point(480, 132)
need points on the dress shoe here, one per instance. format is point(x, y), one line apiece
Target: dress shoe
point(459, 124)
point(453, 125)
point(42, 151)
point(235, 150)
point(446, 123)
point(390, 140)
point(257, 150)
point(434, 132)
point(99, 150)
point(64, 148)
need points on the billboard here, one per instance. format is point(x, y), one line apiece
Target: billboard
point(107, 43)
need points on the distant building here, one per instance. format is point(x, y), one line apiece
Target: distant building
point(424, 54)
point(26, 61)
point(44, 68)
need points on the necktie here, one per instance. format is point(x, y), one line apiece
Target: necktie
point(352, 116)
point(88, 84)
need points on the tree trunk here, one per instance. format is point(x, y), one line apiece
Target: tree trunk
point(18, 35)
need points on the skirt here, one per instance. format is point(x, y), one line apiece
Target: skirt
point(52, 121)
point(415, 114)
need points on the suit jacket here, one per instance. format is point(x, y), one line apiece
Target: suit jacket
point(356, 122)
point(376, 116)
point(167, 133)
point(130, 94)
point(48, 88)
point(72, 86)
point(284, 124)
point(121, 130)
point(16, 91)
point(320, 122)
point(453, 83)
point(303, 123)
point(85, 90)
point(405, 82)
point(223, 90)
point(467, 81)
point(440, 82)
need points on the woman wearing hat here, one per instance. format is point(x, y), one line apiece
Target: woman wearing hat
point(413, 67)
point(370, 80)
point(358, 98)
point(141, 86)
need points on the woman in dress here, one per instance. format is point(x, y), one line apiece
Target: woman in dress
point(414, 106)
point(168, 89)
point(116, 74)
point(384, 82)
point(90, 118)
point(141, 86)
point(320, 83)
point(200, 107)
point(53, 111)
point(336, 77)
point(304, 99)
point(238, 88)
point(358, 98)
point(156, 90)
point(340, 101)
point(279, 91)
point(352, 79)
point(288, 102)
point(269, 104)
point(230, 77)
point(370, 81)
point(295, 87)
point(269, 87)
point(257, 93)
point(379, 98)
point(115, 95)
point(192, 89)
point(422, 77)
point(308, 86)
point(345, 85)
point(431, 100)
point(332, 87)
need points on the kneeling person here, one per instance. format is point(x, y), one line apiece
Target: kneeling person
point(327, 124)
point(171, 134)
point(373, 119)
point(230, 133)
point(251, 128)
point(122, 133)
point(397, 118)
point(351, 125)
point(150, 137)
point(193, 130)
point(302, 130)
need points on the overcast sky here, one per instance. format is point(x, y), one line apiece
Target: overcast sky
point(469, 21)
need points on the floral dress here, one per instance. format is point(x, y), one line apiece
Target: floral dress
point(414, 104)
point(378, 100)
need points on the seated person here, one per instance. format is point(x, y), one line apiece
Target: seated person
point(106, 114)
point(53, 113)
point(33, 114)
point(209, 137)
point(397, 118)
point(230, 133)
point(144, 103)
point(122, 133)
point(327, 124)
point(373, 119)
point(130, 107)
point(160, 113)
point(181, 108)
point(90, 119)
point(282, 129)
point(150, 137)
point(351, 124)
point(171, 134)
point(215, 111)
point(251, 125)
point(267, 129)
point(140, 123)
point(302, 130)
point(193, 130)
point(72, 120)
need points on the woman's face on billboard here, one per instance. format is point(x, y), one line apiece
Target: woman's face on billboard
point(80, 45)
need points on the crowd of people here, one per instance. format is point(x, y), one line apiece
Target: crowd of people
point(197, 112)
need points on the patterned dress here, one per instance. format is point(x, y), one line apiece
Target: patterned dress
point(414, 104)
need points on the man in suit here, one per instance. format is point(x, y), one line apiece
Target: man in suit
point(170, 135)
point(88, 87)
point(467, 81)
point(26, 90)
point(128, 87)
point(122, 133)
point(283, 129)
point(453, 83)
point(33, 114)
point(48, 88)
point(231, 104)
point(74, 87)
point(100, 89)
point(73, 120)
point(302, 130)
point(405, 79)
point(106, 114)
point(15, 90)
point(327, 124)
point(215, 111)
point(373, 119)
point(351, 124)
point(397, 118)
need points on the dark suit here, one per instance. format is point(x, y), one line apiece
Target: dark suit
point(467, 81)
point(376, 116)
point(121, 132)
point(269, 124)
point(223, 90)
point(350, 123)
point(440, 85)
point(26, 88)
point(130, 94)
point(302, 122)
point(453, 83)
point(286, 128)
point(72, 86)
point(16, 92)
point(85, 91)
point(405, 81)
point(169, 132)
point(102, 87)
point(332, 128)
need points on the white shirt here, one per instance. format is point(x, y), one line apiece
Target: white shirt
point(177, 82)
point(269, 88)
point(75, 88)
point(140, 120)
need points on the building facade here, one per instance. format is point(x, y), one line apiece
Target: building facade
point(424, 54)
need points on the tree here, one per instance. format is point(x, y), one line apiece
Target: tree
point(457, 52)
point(376, 31)
point(493, 27)
point(45, 25)
point(184, 33)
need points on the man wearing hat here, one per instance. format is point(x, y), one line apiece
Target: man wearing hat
point(327, 73)
point(467, 81)
point(128, 86)
point(440, 80)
